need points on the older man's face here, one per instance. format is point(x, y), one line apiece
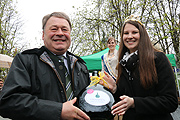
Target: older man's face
point(57, 35)
point(1, 84)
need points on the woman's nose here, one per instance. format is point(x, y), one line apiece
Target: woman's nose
point(130, 35)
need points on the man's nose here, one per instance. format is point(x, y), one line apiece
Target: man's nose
point(59, 32)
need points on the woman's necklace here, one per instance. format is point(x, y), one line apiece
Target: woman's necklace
point(111, 54)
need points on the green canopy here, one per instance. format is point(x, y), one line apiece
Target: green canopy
point(93, 61)
point(171, 59)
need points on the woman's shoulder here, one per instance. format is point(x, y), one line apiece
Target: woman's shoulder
point(116, 51)
point(104, 55)
point(160, 57)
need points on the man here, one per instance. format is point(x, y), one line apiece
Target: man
point(1, 84)
point(35, 88)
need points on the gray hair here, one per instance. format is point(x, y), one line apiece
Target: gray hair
point(56, 14)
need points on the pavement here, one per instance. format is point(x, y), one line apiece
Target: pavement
point(1, 118)
point(176, 114)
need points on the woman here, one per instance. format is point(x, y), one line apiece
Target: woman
point(145, 88)
point(110, 59)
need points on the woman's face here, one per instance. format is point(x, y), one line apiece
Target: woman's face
point(131, 37)
point(111, 44)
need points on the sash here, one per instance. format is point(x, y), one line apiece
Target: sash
point(107, 66)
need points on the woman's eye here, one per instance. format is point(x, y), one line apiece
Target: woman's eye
point(135, 32)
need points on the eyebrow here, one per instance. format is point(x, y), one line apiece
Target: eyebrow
point(59, 27)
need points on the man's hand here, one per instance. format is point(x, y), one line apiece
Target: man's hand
point(70, 112)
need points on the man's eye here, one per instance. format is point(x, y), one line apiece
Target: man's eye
point(64, 29)
point(54, 29)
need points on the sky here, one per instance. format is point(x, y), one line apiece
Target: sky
point(32, 12)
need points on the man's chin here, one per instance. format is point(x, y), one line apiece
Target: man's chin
point(60, 51)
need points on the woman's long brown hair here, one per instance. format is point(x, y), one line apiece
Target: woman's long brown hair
point(147, 69)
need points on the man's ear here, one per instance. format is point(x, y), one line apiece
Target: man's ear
point(43, 35)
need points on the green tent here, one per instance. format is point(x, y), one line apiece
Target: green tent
point(93, 61)
point(171, 59)
point(173, 64)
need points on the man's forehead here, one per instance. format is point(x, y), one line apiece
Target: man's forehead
point(55, 21)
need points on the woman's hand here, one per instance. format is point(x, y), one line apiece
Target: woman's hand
point(123, 105)
point(110, 81)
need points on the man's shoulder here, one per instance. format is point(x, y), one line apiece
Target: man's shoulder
point(75, 56)
point(37, 51)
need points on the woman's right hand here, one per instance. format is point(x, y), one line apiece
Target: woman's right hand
point(123, 105)
point(110, 81)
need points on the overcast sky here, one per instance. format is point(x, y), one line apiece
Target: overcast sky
point(32, 12)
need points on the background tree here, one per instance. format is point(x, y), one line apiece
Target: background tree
point(165, 30)
point(10, 24)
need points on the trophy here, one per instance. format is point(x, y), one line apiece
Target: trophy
point(96, 100)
